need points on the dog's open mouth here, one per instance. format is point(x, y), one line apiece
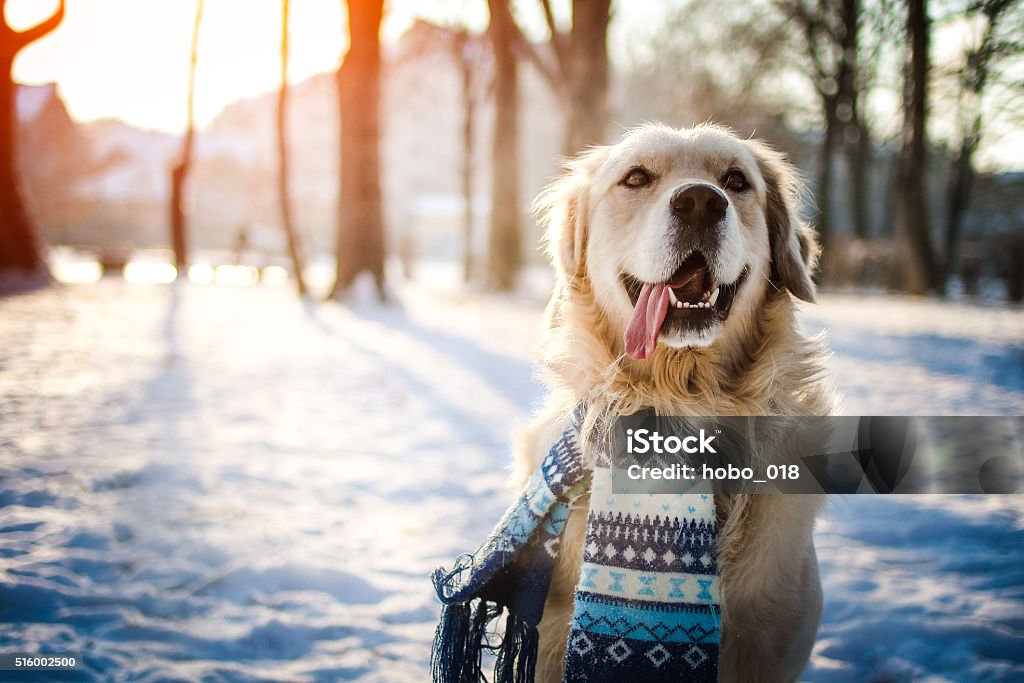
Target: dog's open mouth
point(690, 298)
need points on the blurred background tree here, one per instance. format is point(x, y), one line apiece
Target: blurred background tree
point(505, 253)
point(18, 245)
point(830, 39)
point(912, 209)
point(283, 193)
point(579, 76)
point(974, 81)
point(469, 55)
point(574, 63)
point(360, 244)
point(179, 206)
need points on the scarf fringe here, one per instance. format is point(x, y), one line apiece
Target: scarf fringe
point(461, 638)
point(517, 656)
point(459, 643)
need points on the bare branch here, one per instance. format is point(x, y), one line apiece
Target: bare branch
point(30, 35)
point(554, 75)
point(813, 26)
point(186, 153)
point(557, 37)
point(549, 16)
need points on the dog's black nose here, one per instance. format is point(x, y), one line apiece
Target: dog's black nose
point(699, 206)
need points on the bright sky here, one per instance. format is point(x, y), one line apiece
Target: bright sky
point(128, 59)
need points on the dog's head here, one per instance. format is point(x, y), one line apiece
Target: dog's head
point(678, 233)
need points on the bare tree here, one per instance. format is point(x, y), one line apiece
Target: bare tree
point(360, 244)
point(580, 74)
point(973, 83)
point(582, 55)
point(919, 269)
point(183, 165)
point(579, 77)
point(830, 35)
point(505, 258)
point(18, 246)
point(850, 110)
point(467, 51)
point(728, 71)
point(294, 246)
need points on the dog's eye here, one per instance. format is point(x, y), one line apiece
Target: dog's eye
point(637, 177)
point(735, 181)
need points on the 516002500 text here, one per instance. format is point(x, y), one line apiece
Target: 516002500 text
point(25, 661)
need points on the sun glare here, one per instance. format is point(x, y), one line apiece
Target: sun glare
point(149, 273)
point(236, 276)
point(76, 272)
point(128, 59)
point(274, 275)
point(200, 274)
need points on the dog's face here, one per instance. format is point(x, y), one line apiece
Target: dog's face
point(679, 232)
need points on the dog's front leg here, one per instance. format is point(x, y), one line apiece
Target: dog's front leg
point(771, 590)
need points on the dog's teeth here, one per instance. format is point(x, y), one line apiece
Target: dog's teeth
point(679, 304)
point(686, 304)
point(672, 300)
point(714, 296)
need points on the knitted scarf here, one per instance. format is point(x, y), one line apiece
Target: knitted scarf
point(647, 604)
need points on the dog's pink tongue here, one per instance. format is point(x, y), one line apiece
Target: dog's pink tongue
point(642, 333)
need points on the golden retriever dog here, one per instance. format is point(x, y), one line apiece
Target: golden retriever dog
point(679, 253)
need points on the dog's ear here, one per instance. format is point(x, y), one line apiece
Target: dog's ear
point(564, 210)
point(794, 248)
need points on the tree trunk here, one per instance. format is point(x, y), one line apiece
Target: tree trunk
point(974, 79)
point(294, 247)
point(959, 190)
point(856, 142)
point(182, 168)
point(18, 246)
point(826, 164)
point(179, 226)
point(466, 67)
point(587, 75)
point(505, 257)
point(858, 155)
point(360, 244)
point(915, 237)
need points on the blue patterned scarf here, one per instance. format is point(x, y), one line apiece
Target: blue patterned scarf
point(647, 604)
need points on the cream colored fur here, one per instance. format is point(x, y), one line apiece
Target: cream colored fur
point(757, 364)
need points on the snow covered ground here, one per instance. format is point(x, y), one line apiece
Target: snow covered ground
point(220, 483)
